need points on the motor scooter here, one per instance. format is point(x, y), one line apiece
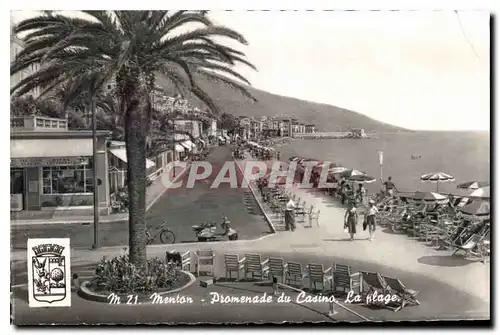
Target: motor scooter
point(208, 231)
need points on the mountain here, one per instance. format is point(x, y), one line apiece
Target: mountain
point(324, 117)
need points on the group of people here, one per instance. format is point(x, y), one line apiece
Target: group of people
point(369, 222)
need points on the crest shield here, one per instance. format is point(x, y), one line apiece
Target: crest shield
point(49, 278)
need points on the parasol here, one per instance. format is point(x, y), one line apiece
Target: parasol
point(437, 177)
point(483, 192)
point(361, 179)
point(473, 185)
point(352, 172)
point(338, 170)
point(476, 209)
point(429, 197)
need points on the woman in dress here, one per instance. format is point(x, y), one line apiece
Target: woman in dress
point(351, 220)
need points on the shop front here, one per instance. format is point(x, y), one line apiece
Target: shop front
point(54, 170)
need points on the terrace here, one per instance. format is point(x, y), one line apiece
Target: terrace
point(38, 123)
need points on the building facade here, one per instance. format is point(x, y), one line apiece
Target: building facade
point(51, 166)
point(310, 129)
point(16, 45)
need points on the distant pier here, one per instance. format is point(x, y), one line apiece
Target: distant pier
point(331, 135)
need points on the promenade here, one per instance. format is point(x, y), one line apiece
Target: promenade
point(450, 287)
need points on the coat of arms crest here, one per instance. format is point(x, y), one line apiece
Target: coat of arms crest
point(49, 274)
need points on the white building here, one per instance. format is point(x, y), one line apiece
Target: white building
point(16, 45)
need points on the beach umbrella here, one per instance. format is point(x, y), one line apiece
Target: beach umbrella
point(327, 165)
point(432, 197)
point(338, 170)
point(473, 185)
point(302, 161)
point(476, 209)
point(483, 192)
point(362, 179)
point(436, 177)
point(352, 172)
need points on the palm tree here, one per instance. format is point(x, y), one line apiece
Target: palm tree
point(133, 47)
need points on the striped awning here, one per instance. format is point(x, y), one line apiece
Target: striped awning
point(179, 148)
point(121, 153)
point(187, 145)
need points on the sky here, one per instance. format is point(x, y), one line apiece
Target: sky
point(415, 69)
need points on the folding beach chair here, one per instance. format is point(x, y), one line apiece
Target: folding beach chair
point(470, 247)
point(406, 295)
point(375, 283)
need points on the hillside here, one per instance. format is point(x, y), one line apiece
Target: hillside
point(324, 117)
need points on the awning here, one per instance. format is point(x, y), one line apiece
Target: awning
point(121, 153)
point(68, 147)
point(191, 144)
point(187, 146)
point(179, 148)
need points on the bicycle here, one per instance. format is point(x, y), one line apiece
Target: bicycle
point(166, 235)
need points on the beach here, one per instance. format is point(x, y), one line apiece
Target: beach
point(464, 155)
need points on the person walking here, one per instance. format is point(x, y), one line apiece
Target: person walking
point(370, 218)
point(290, 216)
point(351, 220)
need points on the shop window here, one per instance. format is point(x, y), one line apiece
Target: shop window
point(67, 179)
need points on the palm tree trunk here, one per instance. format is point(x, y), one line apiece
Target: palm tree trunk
point(136, 125)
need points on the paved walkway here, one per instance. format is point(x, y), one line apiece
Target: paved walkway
point(443, 280)
point(153, 193)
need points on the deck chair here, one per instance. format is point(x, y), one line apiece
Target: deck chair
point(314, 216)
point(277, 268)
point(317, 274)
point(233, 263)
point(294, 274)
point(343, 280)
point(371, 282)
point(255, 266)
point(469, 247)
point(406, 295)
point(204, 262)
point(375, 283)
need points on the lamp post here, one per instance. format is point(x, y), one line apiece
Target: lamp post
point(173, 146)
point(94, 174)
point(381, 161)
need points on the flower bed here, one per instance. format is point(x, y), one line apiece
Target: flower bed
point(120, 277)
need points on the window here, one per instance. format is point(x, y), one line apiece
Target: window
point(67, 179)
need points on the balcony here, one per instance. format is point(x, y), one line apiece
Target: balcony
point(38, 123)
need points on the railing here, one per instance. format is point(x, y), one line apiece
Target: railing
point(38, 123)
point(332, 301)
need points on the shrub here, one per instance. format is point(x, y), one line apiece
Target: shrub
point(119, 275)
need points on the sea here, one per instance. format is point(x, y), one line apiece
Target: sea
point(406, 157)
